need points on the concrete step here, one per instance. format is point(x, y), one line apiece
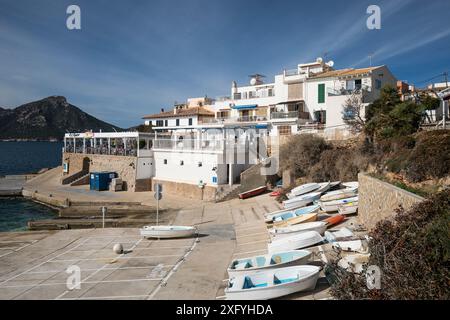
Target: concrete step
point(63, 224)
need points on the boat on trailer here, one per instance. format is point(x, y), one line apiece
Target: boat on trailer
point(283, 232)
point(272, 283)
point(253, 192)
point(167, 231)
point(256, 264)
point(293, 242)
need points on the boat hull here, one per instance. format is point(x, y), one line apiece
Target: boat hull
point(301, 201)
point(307, 217)
point(252, 193)
point(279, 233)
point(303, 259)
point(304, 283)
point(167, 232)
point(298, 241)
point(333, 206)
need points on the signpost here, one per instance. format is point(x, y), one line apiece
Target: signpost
point(158, 196)
point(103, 216)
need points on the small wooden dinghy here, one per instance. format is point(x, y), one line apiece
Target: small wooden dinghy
point(302, 218)
point(318, 226)
point(289, 214)
point(256, 264)
point(331, 221)
point(333, 206)
point(167, 231)
point(338, 194)
point(296, 241)
point(348, 208)
point(272, 283)
point(301, 201)
point(324, 186)
point(253, 192)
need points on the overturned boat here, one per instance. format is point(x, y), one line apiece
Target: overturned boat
point(167, 231)
point(301, 201)
point(296, 241)
point(283, 232)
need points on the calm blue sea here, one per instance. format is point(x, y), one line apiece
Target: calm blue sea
point(28, 157)
point(19, 158)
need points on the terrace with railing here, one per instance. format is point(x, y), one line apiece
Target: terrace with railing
point(189, 144)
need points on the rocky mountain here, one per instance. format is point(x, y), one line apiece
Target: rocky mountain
point(46, 119)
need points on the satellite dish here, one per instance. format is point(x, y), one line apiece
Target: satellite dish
point(319, 60)
point(253, 81)
point(330, 63)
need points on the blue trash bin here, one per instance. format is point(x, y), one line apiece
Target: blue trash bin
point(100, 181)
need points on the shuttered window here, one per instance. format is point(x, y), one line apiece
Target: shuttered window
point(321, 93)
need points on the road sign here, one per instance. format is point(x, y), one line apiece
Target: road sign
point(158, 188)
point(158, 196)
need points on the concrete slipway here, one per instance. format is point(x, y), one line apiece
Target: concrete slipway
point(33, 264)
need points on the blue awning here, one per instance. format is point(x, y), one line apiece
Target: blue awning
point(261, 126)
point(244, 107)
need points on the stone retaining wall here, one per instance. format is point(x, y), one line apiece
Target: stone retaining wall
point(124, 166)
point(188, 190)
point(378, 200)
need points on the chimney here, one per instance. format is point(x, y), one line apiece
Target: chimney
point(162, 109)
point(175, 110)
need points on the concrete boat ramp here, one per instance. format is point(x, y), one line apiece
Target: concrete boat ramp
point(33, 264)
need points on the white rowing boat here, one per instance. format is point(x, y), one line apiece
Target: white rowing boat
point(304, 188)
point(289, 214)
point(318, 226)
point(301, 201)
point(348, 208)
point(302, 218)
point(296, 241)
point(272, 283)
point(338, 194)
point(256, 264)
point(323, 187)
point(167, 231)
point(335, 235)
point(333, 206)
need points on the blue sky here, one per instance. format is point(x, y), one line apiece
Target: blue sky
point(133, 57)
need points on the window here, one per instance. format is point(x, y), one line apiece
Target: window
point(284, 130)
point(358, 84)
point(177, 122)
point(237, 96)
point(378, 84)
point(270, 91)
point(165, 161)
point(321, 93)
point(159, 123)
point(166, 123)
point(190, 121)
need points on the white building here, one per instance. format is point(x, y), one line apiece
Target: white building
point(306, 99)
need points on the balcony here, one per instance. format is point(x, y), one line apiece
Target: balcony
point(289, 115)
point(345, 92)
point(188, 144)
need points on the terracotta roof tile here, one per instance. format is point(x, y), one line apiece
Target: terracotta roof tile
point(344, 72)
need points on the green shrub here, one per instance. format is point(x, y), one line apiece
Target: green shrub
point(301, 152)
point(412, 251)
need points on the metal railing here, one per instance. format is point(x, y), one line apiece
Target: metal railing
point(188, 144)
point(345, 92)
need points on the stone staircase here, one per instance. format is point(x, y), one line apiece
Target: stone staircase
point(70, 179)
point(83, 180)
point(226, 192)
